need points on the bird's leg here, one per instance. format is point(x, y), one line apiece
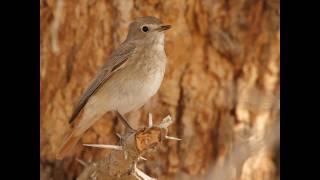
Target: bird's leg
point(125, 122)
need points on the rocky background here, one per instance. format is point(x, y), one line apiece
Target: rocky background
point(221, 85)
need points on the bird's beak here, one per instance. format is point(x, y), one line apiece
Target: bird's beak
point(163, 28)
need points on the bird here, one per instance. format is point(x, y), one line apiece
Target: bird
point(131, 75)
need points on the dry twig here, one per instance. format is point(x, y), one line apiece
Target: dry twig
point(122, 161)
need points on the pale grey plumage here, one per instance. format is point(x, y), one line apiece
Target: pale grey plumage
point(118, 58)
point(133, 73)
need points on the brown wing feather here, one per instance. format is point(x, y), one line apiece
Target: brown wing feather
point(114, 63)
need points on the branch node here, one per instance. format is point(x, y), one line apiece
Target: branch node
point(166, 122)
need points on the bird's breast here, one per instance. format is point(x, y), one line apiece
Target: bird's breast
point(132, 86)
point(150, 70)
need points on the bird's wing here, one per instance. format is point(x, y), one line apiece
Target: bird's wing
point(116, 61)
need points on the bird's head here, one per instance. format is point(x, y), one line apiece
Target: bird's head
point(147, 30)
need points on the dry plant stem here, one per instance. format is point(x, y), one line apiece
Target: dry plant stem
point(123, 159)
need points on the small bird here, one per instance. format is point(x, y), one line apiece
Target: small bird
point(131, 76)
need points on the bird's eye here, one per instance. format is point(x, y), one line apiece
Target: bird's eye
point(145, 29)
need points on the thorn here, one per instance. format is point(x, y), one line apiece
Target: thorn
point(142, 158)
point(119, 136)
point(105, 146)
point(136, 176)
point(82, 162)
point(94, 175)
point(150, 121)
point(140, 174)
point(166, 122)
point(173, 138)
point(125, 153)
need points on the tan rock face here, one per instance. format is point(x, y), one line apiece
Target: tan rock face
point(222, 79)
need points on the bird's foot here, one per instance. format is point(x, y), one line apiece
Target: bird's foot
point(128, 127)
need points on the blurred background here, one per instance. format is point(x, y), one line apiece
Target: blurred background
point(221, 85)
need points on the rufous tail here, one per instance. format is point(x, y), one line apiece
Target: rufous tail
point(67, 146)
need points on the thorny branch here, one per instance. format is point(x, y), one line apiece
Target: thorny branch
point(123, 159)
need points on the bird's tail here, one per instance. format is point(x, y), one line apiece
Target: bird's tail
point(68, 145)
point(87, 120)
